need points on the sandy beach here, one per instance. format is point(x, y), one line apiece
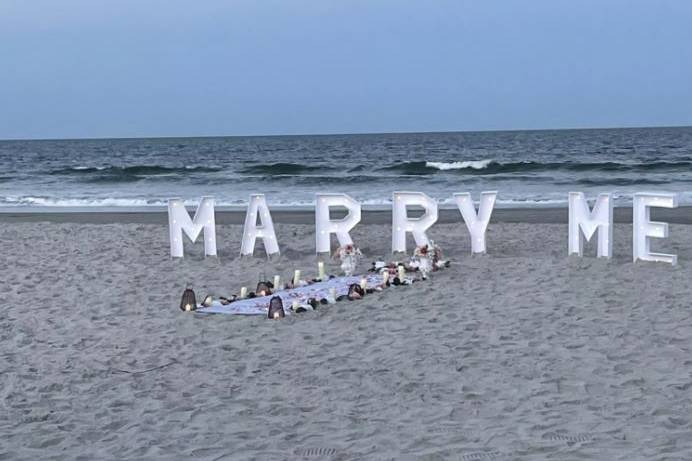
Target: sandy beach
point(520, 354)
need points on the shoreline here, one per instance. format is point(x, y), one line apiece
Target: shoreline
point(680, 215)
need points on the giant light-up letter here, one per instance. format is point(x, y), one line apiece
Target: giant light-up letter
point(644, 229)
point(401, 223)
point(476, 223)
point(324, 226)
point(586, 223)
point(179, 221)
point(257, 208)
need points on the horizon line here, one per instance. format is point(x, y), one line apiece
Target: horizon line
point(372, 133)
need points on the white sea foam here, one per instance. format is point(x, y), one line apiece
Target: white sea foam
point(383, 201)
point(473, 164)
point(78, 202)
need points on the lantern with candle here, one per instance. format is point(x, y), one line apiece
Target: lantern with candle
point(276, 308)
point(188, 302)
point(263, 289)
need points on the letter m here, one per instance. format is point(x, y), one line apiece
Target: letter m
point(179, 221)
point(583, 223)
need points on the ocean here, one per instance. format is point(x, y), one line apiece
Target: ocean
point(527, 168)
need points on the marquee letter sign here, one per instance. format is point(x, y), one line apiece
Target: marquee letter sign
point(644, 229)
point(324, 226)
point(179, 221)
point(476, 223)
point(584, 223)
point(401, 223)
point(257, 208)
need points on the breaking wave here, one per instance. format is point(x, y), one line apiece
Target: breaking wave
point(488, 167)
point(129, 173)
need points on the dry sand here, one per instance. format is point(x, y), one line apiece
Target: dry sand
point(522, 353)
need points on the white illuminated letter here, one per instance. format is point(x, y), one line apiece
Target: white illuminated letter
point(586, 223)
point(401, 223)
point(251, 232)
point(476, 223)
point(644, 229)
point(179, 221)
point(324, 226)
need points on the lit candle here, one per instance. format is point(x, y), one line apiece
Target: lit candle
point(296, 277)
point(277, 280)
point(243, 292)
point(385, 277)
point(276, 316)
point(320, 269)
point(262, 293)
point(363, 283)
point(188, 307)
point(295, 304)
point(402, 273)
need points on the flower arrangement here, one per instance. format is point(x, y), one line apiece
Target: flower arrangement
point(428, 258)
point(423, 260)
point(348, 255)
point(422, 251)
point(437, 261)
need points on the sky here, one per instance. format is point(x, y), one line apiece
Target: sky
point(139, 68)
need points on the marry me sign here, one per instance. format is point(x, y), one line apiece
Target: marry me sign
point(584, 223)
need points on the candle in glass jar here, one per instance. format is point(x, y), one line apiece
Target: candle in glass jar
point(296, 277)
point(332, 293)
point(363, 283)
point(243, 292)
point(320, 270)
point(385, 277)
point(402, 273)
point(277, 280)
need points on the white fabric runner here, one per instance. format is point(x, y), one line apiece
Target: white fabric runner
point(318, 290)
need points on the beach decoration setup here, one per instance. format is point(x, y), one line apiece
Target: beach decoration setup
point(306, 295)
point(583, 224)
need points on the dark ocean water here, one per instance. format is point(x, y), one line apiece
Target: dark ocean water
point(527, 168)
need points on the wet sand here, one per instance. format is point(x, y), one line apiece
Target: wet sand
point(522, 353)
point(680, 215)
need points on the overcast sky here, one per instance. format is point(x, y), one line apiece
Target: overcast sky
point(121, 68)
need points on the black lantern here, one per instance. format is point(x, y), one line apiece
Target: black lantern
point(276, 308)
point(355, 291)
point(264, 287)
point(188, 302)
